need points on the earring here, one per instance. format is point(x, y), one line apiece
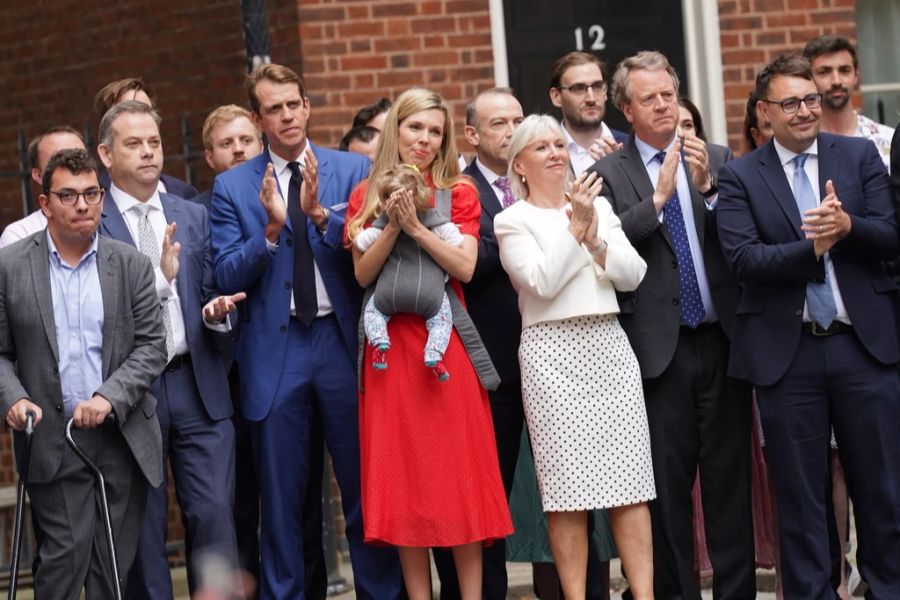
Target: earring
point(523, 178)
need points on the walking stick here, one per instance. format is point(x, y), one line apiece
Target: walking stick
point(20, 507)
point(101, 483)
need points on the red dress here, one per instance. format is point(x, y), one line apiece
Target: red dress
point(428, 457)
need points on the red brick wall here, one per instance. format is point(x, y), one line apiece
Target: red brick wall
point(754, 31)
point(357, 51)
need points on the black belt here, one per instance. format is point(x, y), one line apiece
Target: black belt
point(179, 361)
point(702, 327)
point(835, 328)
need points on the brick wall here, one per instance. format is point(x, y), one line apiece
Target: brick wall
point(355, 52)
point(754, 31)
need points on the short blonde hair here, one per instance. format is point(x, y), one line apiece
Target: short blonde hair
point(522, 137)
point(401, 177)
point(224, 114)
point(649, 60)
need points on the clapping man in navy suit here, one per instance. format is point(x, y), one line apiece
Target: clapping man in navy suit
point(277, 226)
point(806, 222)
point(194, 404)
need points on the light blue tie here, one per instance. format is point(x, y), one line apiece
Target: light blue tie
point(819, 298)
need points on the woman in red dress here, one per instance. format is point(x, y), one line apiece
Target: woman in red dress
point(429, 470)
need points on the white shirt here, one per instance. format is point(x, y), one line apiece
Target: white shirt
point(491, 178)
point(580, 159)
point(283, 174)
point(166, 292)
point(811, 167)
point(21, 229)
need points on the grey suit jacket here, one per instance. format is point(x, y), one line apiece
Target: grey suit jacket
point(651, 315)
point(134, 349)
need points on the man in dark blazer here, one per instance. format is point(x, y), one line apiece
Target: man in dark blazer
point(277, 230)
point(492, 303)
point(135, 89)
point(806, 222)
point(81, 337)
point(194, 403)
point(663, 188)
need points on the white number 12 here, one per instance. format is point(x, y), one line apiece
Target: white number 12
point(596, 33)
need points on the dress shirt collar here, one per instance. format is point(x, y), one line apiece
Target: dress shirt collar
point(648, 153)
point(54, 252)
point(489, 175)
point(125, 201)
point(786, 156)
point(573, 146)
point(281, 164)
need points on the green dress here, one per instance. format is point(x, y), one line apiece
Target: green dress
point(530, 542)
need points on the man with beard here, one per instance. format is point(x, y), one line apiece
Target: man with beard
point(835, 67)
point(578, 89)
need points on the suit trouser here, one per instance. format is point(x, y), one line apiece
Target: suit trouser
point(509, 417)
point(700, 416)
point(201, 453)
point(318, 374)
point(833, 380)
point(73, 549)
point(246, 490)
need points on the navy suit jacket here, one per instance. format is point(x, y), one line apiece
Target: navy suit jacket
point(243, 263)
point(196, 286)
point(490, 298)
point(759, 227)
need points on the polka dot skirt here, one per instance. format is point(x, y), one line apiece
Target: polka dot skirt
point(584, 405)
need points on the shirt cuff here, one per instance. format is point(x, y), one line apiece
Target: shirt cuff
point(271, 247)
point(164, 289)
point(223, 326)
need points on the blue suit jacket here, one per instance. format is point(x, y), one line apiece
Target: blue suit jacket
point(195, 284)
point(243, 263)
point(759, 228)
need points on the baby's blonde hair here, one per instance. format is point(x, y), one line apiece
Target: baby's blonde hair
point(404, 177)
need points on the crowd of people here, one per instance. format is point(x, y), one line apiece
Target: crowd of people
point(647, 305)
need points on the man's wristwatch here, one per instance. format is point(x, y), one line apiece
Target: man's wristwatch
point(324, 224)
point(713, 188)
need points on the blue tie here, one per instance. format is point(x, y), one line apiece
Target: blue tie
point(692, 310)
point(819, 298)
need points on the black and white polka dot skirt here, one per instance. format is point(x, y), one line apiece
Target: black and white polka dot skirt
point(584, 405)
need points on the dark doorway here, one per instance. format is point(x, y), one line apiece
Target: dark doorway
point(540, 31)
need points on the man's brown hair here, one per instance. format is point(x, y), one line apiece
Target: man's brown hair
point(111, 92)
point(273, 73)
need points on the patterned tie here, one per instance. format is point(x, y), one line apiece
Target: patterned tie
point(692, 310)
point(150, 247)
point(819, 297)
point(502, 184)
point(306, 303)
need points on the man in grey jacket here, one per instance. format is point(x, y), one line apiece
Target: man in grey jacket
point(81, 336)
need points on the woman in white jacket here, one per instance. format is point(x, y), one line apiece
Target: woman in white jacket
point(566, 255)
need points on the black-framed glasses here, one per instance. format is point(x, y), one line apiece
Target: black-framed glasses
point(91, 197)
point(580, 89)
point(792, 105)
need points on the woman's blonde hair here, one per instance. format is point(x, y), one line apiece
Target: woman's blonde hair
point(444, 170)
point(527, 131)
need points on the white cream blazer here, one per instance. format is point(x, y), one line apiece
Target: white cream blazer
point(555, 277)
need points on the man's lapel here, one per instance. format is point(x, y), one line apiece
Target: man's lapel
point(109, 287)
point(40, 278)
point(636, 171)
point(772, 173)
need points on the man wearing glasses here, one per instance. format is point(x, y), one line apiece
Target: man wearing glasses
point(663, 188)
point(806, 222)
point(81, 337)
point(578, 89)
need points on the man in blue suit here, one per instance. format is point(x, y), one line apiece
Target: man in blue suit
point(194, 404)
point(806, 222)
point(277, 230)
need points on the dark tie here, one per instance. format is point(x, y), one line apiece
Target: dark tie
point(502, 184)
point(819, 298)
point(305, 301)
point(692, 310)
